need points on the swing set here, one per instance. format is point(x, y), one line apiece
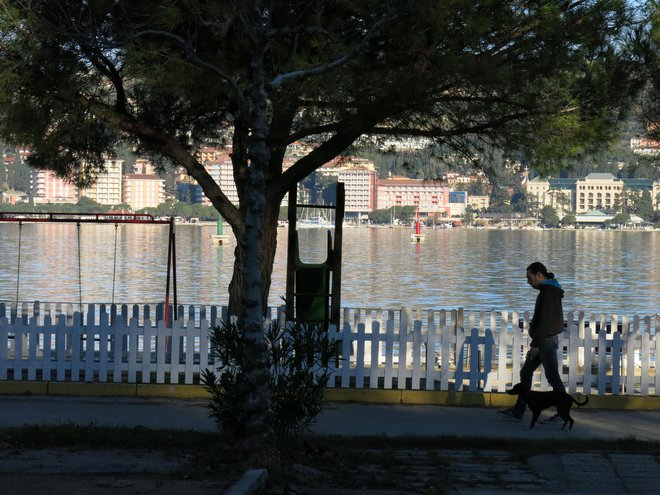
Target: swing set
point(99, 218)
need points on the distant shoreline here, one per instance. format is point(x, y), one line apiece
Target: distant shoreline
point(466, 227)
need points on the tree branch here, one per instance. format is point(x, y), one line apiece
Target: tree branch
point(314, 71)
point(458, 131)
point(190, 55)
point(348, 132)
point(172, 149)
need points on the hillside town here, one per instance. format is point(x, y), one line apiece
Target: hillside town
point(453, 198)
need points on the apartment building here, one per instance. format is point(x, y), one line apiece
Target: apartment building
point(359, 178)
point(217, 161)
point(143, 191)
point(108, 188)
point(458, 201)
point(46, 187)
point(645, 146)
point(219, 166)
point(557, 193)
point(144, 166)
point(478, 203)
point(213, 153)
point(429, 196)
point(596, 191)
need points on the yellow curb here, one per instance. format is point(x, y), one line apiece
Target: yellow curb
point(362, 395)
point(92, 389)
point(637, 403)
point(24, 388)
point(445, 398)
point(173, 391)
point(501, 400)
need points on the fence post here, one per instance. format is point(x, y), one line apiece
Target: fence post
point(375, 353)
point(630, 344)
point(359, 356)
point(602, 356)
point(416, 354)
point(404, 335)
point(106, 344)
point(446, 336)
point(588, 354)
point(389, 352)
point(573, 353)
point(459, 357)
point(616, 363)
point(502, 341)
point(645, 357)
point(431, 352)
point(346, 345)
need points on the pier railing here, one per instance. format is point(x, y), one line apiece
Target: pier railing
point(383, 349)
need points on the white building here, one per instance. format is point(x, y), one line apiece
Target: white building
point(108, 188)
point(217, 161)
point(219, 167)
point(359, 178)
point(557, 193)
point(596, 191)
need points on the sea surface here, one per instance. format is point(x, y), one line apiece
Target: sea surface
point(603, 272)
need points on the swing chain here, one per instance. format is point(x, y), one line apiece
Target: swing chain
point(114, 266)
point(79, 270)
point(18, 273)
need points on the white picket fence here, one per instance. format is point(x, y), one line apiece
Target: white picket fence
point(484, 351)
point(385, 349)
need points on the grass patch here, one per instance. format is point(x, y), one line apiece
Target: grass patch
point(97, 437)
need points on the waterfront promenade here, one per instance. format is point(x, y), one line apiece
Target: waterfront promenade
point(337, 418)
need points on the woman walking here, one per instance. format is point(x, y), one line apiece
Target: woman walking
point(546, 325)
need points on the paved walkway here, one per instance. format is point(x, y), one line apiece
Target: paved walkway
point(336, 419)
point(602, 472)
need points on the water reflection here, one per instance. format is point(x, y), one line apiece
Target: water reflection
point(602, 271)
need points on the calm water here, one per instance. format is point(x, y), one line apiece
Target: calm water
point(602, 271)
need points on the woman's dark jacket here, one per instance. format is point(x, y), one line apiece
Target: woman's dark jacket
point(548, 319)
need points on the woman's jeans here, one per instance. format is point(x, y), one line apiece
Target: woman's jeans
point(547, 356)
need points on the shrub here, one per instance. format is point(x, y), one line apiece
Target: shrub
point(298, 357)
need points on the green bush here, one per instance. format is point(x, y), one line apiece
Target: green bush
point(298, 357)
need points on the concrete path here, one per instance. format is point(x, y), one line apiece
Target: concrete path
point(336, 419)
point(396, 420)
point(20, 410)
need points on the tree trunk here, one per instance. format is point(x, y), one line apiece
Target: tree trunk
point(258, 407)
point(268, 251)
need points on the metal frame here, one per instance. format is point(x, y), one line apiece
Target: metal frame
point(115, 218)
point(335, 289)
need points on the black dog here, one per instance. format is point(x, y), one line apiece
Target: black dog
point(538, 401)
